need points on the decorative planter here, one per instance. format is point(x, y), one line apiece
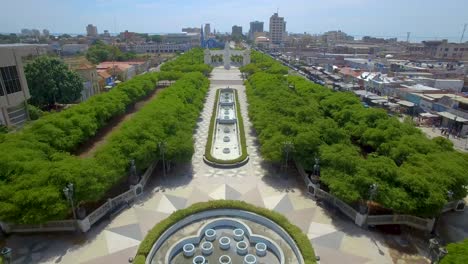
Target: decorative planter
point(207, 248)
point(261, 249)
point(250, 259)
point(242, 248)
point(199, 260)
point(189, 250)
point(238, 234)
point(224, 243)
point(224, 259)
point(210, 235)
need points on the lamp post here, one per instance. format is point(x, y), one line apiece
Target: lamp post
point(162, 149)
point(6, 255)
point(436, 252)
point(288, 146)
point(69, 192)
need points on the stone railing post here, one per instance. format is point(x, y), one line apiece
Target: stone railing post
point(84, 225)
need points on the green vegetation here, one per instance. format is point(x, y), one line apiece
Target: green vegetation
point(457, 253)
point(192, 61)
point(297, 235)
point(100, 51)
point(34, 112)
point(36, 162)
point(50, 82)
point(357, 146)
point(209, 142)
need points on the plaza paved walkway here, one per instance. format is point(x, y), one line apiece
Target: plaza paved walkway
point(335, 238)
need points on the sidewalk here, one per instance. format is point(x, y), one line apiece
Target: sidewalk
point(458, 143)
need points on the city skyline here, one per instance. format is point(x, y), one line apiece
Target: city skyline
point(359, 18)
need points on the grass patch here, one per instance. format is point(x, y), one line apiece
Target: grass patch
point(295, 232)
point(240, 125)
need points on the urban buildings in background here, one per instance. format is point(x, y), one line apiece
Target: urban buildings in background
point(236, 31)
point(14, 90)
point(277, 29)
point(91, 31)
point(255, 27)
point(207, 29)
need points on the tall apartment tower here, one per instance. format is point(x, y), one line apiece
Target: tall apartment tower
point(207, 29)
point(255, 26)
point(91, 31)
point(277, 29)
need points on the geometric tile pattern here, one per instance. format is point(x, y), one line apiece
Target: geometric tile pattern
point(335, 239)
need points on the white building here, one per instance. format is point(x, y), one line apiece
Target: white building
point(14, 90)
point(277, 29)
point(72, 49)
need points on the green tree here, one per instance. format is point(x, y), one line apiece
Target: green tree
point(50, 82)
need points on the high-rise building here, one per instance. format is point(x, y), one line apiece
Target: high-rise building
point(255, 27)
point(236, 31)
point(36, 33)
point(91, 31)
point(277, 29)
point(207, 29)
point(45, 33)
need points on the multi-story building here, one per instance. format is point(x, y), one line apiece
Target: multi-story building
point(277, 29)
point(236, 31)
point(255, 27)
point(207, 29)
point(191, 30)
point(439, 49)
point(14, 90)
point(156, 47)
point(91, 31)
point(336, 36)
point(73, 49)
point(45, 33)
point(88, 73)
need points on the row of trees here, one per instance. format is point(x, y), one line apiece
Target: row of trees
point(192, 61)
point(36, 162)
point(100, 51)
point(357, 146)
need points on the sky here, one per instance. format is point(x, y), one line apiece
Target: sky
point(425, 19)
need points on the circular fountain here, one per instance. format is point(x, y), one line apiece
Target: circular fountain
point(261, 249)
point(238, 234)
point(241, 248)
point(226, 139)
point(199, 260)
point(210, 235)
point(224, 243)
point(250, 259)
point(207, 248)
point(224, 259)
point(226, 150)
point(189, 250)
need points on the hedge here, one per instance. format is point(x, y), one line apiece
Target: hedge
point(295, 232)
point(35, 163)
point(240, 123)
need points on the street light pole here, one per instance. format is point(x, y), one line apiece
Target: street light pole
point(6, 254)
point(162, 146)
point(69, 191)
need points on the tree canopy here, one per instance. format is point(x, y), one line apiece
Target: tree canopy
point(50, 82)
point(100, 51)
point(37, 162)
point(357, 146)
